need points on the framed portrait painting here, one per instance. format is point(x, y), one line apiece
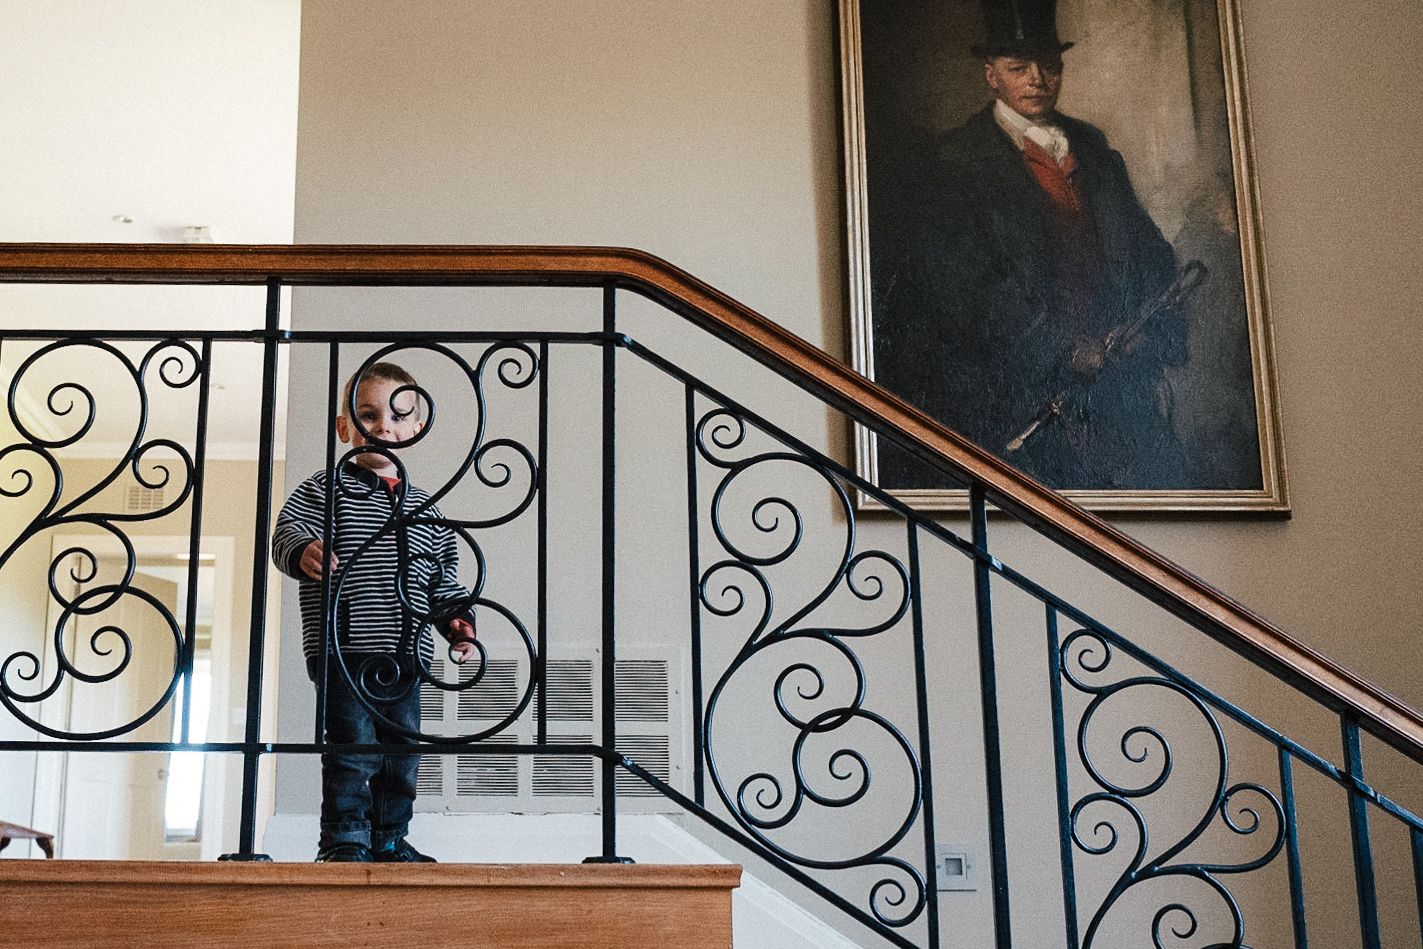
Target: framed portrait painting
point(1055, 250)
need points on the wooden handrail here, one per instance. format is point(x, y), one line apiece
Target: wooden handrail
point(1086, 535)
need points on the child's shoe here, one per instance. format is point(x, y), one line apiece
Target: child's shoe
point(345, 853)
point(400, 852)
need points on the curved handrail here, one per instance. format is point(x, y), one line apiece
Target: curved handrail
point(1084, 534)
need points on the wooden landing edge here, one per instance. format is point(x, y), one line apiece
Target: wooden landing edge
point(80, 904)
point(523, 875)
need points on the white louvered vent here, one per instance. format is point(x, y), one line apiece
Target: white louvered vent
point(430, 779)
point(642, 690)
point(570, 689)
point(141, 500)
point(494, 697)
point(641, 687)
point(432, 700)
point(651, 752)
point(571, 700)
point(564, 775)
point(488, 775)
point(650, 693)
point(571, 778)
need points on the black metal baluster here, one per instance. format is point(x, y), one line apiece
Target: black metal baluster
point(1287, 793)
point(327, 638)
point(1059, 748)
point(694, 571)
point(261, 540)
point(926, 764)
point(988, 688)
point(540, 670)
point(1359, 827)
point(610, 727)
point(195, 539)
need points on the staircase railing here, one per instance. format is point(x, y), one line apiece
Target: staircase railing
point(852, 743)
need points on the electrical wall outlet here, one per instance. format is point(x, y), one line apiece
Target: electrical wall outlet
point(955, 868)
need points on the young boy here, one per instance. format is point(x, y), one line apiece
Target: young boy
point(392, 577)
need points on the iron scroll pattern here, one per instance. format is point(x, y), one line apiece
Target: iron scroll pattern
point(1240, 810)
point(64, 417)
point(833, 739)
point(504, 468)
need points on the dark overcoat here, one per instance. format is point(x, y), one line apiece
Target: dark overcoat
point(977, 313)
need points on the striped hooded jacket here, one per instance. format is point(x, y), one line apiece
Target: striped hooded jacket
point(396, 574)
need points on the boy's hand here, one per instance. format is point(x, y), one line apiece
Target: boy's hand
point(461, 634)
point(311, 560)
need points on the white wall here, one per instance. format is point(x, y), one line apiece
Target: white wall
point(172, 113)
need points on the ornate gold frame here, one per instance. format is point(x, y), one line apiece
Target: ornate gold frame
point(1272, 497)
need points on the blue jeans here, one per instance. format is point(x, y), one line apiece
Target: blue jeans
point(367, 799)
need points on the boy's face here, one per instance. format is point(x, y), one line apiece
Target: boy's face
point(380, 418)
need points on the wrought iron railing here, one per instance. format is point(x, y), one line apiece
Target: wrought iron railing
point(817, 632)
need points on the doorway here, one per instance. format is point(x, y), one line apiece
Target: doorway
point(151, 805)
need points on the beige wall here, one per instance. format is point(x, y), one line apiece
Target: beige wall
point(1332, 85)
point(708, 133)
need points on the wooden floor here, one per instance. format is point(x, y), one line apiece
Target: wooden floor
point(83, 903)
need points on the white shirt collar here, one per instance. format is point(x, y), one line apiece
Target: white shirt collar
point(1017, 127)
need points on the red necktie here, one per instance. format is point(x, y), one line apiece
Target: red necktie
point(1055, 179)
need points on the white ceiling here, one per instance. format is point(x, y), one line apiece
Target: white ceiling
point(166, 113)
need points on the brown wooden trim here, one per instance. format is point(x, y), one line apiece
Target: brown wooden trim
point(78, 904)
point(537, 875)
point(1142, 569)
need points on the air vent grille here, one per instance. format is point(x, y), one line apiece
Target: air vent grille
point(570, 690)
point(141, 500)
point(491, 775)
point(430, 779)
point(642, 690)
point(432, 698)
point(653, 754)
point(494, 697)
point(564, 775)
point(651, 732)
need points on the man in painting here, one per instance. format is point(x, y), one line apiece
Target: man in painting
point(1027, 265)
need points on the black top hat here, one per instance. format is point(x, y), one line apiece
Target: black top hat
point(1020, 28)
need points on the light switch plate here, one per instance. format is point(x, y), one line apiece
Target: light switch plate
point(955, 868)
